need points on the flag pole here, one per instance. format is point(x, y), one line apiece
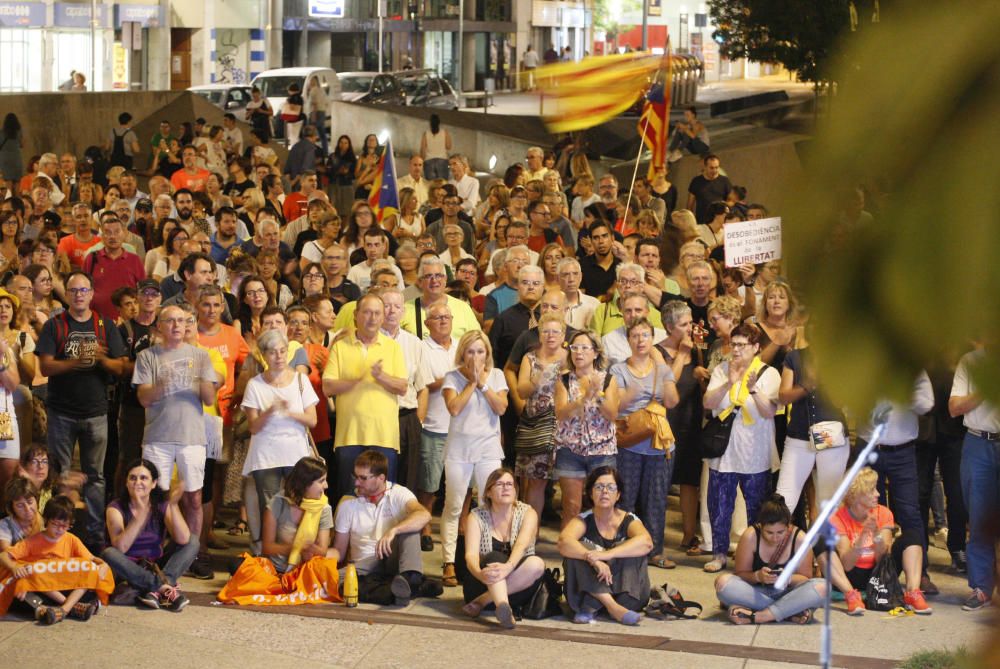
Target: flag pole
point(642, 143)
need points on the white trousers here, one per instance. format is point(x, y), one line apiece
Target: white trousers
point(797, 464)
point(457, 476)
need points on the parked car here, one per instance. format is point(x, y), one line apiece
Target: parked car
point(425, 88)
point(274, 85)
point(228, 97)
point(371, 87)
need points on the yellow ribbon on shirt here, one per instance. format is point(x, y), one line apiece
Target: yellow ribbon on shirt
point(739, 393)
point(308, 528)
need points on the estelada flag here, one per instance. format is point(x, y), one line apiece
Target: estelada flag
point(57, 574)
point(654, 124)
point(257, 583)
point(384, 198)
point(594, 90)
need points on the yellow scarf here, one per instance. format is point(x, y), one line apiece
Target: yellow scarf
point(739, 393)
point(312, 509)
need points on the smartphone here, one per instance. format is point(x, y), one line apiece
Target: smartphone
point(777, 570)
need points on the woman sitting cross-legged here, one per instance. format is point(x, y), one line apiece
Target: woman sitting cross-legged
point(503, 567)
point(605, 553)
point(865, 535)
point(761, 556)
point(56, 592)
point(138, 524)
point(299, 567)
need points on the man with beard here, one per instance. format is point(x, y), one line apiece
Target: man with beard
point(190, 177)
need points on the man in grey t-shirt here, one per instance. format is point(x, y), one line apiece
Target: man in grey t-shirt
point(173, 380)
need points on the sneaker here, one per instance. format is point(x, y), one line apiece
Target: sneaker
point(674, 156)
point(430, 588)
point(928, 587)
point(976, 601)
point(201, 570)
point(959, 562)
point(173, 599)
point(914, 600)
point(151, 600)
point(855, 603)
point(401, 590)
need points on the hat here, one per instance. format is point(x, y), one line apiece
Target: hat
point(12, 297)
point(148, 283)
point(145, 204)
point(51, 218)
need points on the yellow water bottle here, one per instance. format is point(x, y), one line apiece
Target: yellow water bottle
point(351, 585)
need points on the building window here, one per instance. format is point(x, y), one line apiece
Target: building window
point(20, 53)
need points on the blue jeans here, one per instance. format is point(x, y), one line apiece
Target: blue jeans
point(436, 168)
point(346, 455)
point(981, 489)
point(646, 480)
point(680, 140)
point(145, 581)
point(722, 501)
point(782, 603)
point(92, 433)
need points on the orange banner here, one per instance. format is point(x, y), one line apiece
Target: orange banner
point(57, 574)
point(257, 583)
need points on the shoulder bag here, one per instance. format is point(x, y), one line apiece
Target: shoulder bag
point(649, 422)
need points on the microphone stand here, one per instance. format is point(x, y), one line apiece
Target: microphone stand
point(822, 527)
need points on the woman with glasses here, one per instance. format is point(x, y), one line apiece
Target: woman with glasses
point(646, 467)
point(500, 551)
point(10, 237)
point(313, 282)
point(536, 382)
point(586, 403)
point(254, 297)
point(604, 553)
point(475, 394)
point(747, 386)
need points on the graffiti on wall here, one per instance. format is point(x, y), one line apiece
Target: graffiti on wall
point(231, 52)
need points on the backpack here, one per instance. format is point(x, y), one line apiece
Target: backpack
point(62, 329)
point(118, 155)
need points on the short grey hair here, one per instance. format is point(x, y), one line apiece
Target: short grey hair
point(630, 267)
point(699, 264)
point(536, 150)
point(672, 312)
point(530, 269)
point(499, 258)
point(270, 340)
point(567, 262)
point(426, 261)
point(520, 248)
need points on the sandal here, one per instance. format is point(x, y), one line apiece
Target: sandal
point(239, 529)
point(472, 609)
point(662, 561)
point(739, 615)
point(49, 615)
point(448, 578)
point(693, 547)
point(803, 618)
point(715, 566)
point(84, 610)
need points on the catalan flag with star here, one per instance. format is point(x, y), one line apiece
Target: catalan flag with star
point(594, 90)
point(384, 197)
point(654, 124)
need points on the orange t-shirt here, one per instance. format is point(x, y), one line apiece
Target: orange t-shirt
point(228, 343)
point(76, 250)
point(847, 526)
point(193, 182)
point(40, 547)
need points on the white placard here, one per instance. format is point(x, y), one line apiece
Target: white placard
point(752, 242)
point(328, 9)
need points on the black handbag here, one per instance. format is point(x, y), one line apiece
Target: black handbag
point(883, 592)
point(715, 434)
point(545, 603)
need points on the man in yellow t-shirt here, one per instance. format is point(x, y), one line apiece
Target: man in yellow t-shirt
point(433, 281)
point(366, 374)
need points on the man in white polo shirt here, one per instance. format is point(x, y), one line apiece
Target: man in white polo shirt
point(379, 531)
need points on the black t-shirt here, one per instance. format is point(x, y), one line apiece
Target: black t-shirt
point(81, 393)
point(706, 192)
point(596, 280)
point(699, 316)
point(669, 198)
point(347, 291)
point(813, 408)
point(233, 187)
point(506, 328)
point(138, 340)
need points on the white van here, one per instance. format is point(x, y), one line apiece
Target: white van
point(273, 85)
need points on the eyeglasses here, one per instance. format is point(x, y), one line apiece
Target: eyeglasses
point(442, 318)
point(148, 292)
point(640, 335)
point(629, 282)
point(79, 291)
point(39, 462)
point(605, 487)
point(736, 346)
point(312, 275)
point(433, 277)
point(503, 484)
point(577, 348)
point(256, 291)
point(530, 284)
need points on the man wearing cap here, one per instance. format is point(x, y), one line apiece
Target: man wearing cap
point(143, 219)
point(112, 267)
point(137, 335)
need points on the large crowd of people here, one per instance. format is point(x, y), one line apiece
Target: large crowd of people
point(245, 335)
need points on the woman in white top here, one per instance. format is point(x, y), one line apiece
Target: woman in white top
point(329, 232)
point(11, 357)
point(281, 406)
point(435, 146)
point(748, 386)
point(409, 223)
point(476, 395)
point(453, 238)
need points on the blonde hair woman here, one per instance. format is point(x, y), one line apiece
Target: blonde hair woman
point(475, 394)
